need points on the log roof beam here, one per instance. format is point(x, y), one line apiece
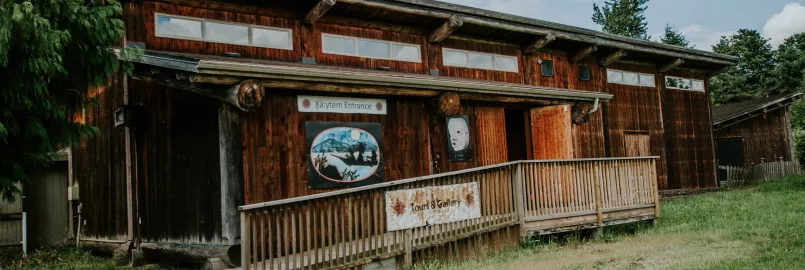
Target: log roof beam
point(584, 53)
point(540, 43)
point(450, 26)
point(672, 65)
point(613, 57)
point(318, 11)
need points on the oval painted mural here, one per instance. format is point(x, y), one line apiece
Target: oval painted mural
point(345, 154)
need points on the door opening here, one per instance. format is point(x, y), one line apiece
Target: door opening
point(516, 134)
point(729, 152)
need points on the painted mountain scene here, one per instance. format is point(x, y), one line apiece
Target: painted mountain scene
point(344, 154)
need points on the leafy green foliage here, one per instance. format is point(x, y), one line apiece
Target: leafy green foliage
point(790, 62)
point(622, 17)
point(674, 37)
point(50, 52)
point(752, 77)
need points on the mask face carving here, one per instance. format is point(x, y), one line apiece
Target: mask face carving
point(459, 133)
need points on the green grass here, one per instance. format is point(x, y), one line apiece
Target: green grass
point(760, 227)
point(56, 257)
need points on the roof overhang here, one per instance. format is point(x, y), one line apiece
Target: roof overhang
point(755, 111)
point(222, 70)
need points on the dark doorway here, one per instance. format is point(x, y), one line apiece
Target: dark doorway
point(729, 152)
point(516, 134)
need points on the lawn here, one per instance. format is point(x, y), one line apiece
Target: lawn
point(761, 227)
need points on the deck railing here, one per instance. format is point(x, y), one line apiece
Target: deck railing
point(347, 228)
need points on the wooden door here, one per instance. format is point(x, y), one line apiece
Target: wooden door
point(551, 132)
point(637, 144)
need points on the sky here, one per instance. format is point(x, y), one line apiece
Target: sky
point(703, 22)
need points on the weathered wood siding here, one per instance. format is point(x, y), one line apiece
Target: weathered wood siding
point(11, 228)
point(764, 137)
point(177, 165)
point(46, 207)
point(636, 109)
point(689, 136)
point(99, 167)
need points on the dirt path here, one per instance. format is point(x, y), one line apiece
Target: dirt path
point(646, 251)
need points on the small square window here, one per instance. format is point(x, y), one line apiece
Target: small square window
point(647, 80)
point(614, 76)
point(546, 68)
point(697, 85)
point(584, 73)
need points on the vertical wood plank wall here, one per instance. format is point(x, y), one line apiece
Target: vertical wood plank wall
point(551, 136)
point(764, 137)
point(11, 229)
point(46, 205)
point(99, 167)
point(177, 165)
point(689, 136)
point(637, 109)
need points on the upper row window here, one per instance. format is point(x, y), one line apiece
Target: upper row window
point(370, 48)
point(172, 26)
point(684, 83)
point(460, 58)
point(630, 78)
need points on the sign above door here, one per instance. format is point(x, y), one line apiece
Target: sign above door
point(341, 105)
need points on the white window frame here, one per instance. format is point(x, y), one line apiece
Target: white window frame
point(494, 60)
point(665, 82)
point(204, 31)
point(637, 74)
point(356, 41)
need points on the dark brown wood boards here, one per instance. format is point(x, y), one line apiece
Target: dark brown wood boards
point(765, 137)
point(689, 138)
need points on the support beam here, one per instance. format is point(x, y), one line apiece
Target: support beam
point(246, 95)
point(450, 26)
point(542, 42)
point(613, 57)
point(318, 11)
point(584, 53)
point(672, 65)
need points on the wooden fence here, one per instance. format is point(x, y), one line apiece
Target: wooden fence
point(347, 228)
point(739, 177)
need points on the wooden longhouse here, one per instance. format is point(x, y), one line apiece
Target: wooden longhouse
point(212, 118)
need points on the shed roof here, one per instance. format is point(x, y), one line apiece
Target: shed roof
point(286, 71)
point(747, 109)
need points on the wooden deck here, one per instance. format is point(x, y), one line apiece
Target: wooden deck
point(347, 228)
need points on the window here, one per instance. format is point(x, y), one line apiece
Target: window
point(226, 33)
point(584, 73)
point(684, 83)
point(179, 27)
point(630, 78)
point(370, 48)
point(171, 26)
point(546, 68)
point(468, 59)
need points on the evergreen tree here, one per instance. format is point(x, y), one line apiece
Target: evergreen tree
point(622, 17)
point(50, 51)
point(673, 37)
point(752, 77)
point(790, 59)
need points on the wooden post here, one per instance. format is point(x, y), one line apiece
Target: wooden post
point(653, 175)
point(518, 194)
point(450, 26)
point(245, 238)
point(408, 241)
point(318, 11)
point(599, 218)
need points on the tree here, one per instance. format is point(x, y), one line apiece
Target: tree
point(673, 37)
point(622, 17)
point(752, 77)
point(50, 51)
point(790, 59)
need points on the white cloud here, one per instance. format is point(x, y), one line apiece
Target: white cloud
point(789, 21)
point(702, 37)
point(526, 8)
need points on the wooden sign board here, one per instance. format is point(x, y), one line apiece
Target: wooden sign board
point(411, 208)
point(341, 105)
